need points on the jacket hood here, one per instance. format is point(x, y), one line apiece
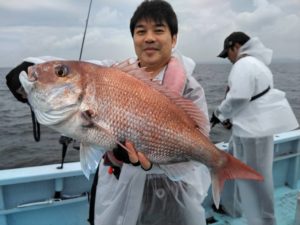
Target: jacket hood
point(254, 47)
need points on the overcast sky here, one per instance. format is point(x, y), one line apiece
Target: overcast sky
point(55, 27)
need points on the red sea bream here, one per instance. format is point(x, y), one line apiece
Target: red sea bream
point(103, 106)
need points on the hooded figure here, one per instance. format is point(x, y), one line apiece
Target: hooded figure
point(255, 110)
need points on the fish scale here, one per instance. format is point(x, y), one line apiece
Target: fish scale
point(146, 142)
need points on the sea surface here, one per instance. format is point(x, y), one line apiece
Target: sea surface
point(18, 148)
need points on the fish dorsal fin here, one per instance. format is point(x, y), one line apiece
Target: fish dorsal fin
point(132, 68)
point(175, 76)
point(195, 114)
point(171, 89)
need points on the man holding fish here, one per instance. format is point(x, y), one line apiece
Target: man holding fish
point(150, 196)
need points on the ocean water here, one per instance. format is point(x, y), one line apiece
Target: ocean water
point(18, 148)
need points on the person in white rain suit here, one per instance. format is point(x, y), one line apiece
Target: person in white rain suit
point(256, 111)
point(125, 194)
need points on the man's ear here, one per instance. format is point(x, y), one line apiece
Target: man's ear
point(237, 46)
point(174, 40)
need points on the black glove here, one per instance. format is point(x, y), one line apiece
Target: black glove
point(13, 82)
point(120, 154)
point(214, 120)
point(227, 124)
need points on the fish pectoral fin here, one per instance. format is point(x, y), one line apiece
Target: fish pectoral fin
point(90, 156)
point(88, 116)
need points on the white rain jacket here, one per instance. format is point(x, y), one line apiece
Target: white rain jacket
point(249, 76)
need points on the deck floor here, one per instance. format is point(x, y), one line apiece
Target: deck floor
point(285, 209)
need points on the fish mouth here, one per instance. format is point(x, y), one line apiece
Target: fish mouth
point(32, 74)
point(26, 82)
point(53, 117)
point(28, 79)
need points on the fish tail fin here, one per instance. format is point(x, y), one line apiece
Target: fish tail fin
point(233, 169)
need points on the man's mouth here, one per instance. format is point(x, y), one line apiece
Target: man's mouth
point(150, 50)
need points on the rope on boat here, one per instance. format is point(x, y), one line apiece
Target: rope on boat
point(36, 126)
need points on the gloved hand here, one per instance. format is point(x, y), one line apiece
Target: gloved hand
point(214, 120)
point(119, 155)
point(137, 157)
point(227, 124)
point(131, 156)
point(13, 82)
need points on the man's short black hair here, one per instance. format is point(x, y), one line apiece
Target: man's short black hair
point(157, 10)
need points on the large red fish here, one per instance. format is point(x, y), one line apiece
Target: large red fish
point(103, 106)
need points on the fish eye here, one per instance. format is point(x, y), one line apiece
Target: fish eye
point(61, 70)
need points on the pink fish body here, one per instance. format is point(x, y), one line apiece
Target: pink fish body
point(104, 106)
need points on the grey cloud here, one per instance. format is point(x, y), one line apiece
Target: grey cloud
point(55, 27)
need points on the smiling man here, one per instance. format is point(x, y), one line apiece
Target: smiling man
point(128, 188)
point(152, 42)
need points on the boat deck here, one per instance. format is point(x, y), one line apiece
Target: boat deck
point(285, 209)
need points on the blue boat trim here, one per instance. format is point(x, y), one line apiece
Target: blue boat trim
point(37, 173)
point(43, 204)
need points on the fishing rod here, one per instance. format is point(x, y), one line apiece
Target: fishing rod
point(86, 25)
point(63, 140)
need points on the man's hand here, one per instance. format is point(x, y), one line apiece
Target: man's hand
point(137, 157)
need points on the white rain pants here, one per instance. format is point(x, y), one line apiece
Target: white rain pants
point(257, 198)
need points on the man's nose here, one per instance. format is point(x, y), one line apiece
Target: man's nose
point(150, 37)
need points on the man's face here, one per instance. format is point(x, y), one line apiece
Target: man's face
point(233, 53)
point(153, 43)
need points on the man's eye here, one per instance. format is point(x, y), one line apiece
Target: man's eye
point(140, 32)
